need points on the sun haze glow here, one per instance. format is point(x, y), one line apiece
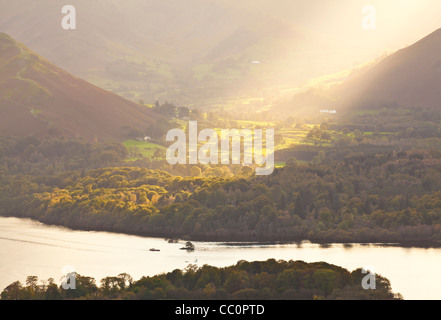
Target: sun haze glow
point(399, 22)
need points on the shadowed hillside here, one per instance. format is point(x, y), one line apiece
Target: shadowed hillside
point(408, 78)
point(411, 77)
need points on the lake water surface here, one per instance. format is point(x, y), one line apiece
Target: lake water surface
point(31, 248)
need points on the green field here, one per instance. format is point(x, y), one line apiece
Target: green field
point(280, 164)
point(141, 149)
point(290, 137)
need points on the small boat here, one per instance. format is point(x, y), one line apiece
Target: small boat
point(154, 250)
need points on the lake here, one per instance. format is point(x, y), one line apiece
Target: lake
point(31, 248)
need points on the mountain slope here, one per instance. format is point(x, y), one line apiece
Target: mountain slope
point(408, 78)
point(411, 77)
point(39, 98)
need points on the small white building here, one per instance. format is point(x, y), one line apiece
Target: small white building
point(146, 138)
point(329, 111)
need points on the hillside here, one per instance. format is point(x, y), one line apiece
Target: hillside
point(36, 97)
point(411, 78)
point(408, 78)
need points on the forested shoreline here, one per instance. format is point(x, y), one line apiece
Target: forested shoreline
point(387, 198)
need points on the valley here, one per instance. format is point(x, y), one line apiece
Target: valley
point(120, 128)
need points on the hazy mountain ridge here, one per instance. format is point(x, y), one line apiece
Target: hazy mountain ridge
point(185, 52)
point(196, 53)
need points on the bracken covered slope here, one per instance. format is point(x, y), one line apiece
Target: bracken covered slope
point(36, 97)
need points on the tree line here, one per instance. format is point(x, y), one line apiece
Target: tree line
point(264, 280)
point(34, 156)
